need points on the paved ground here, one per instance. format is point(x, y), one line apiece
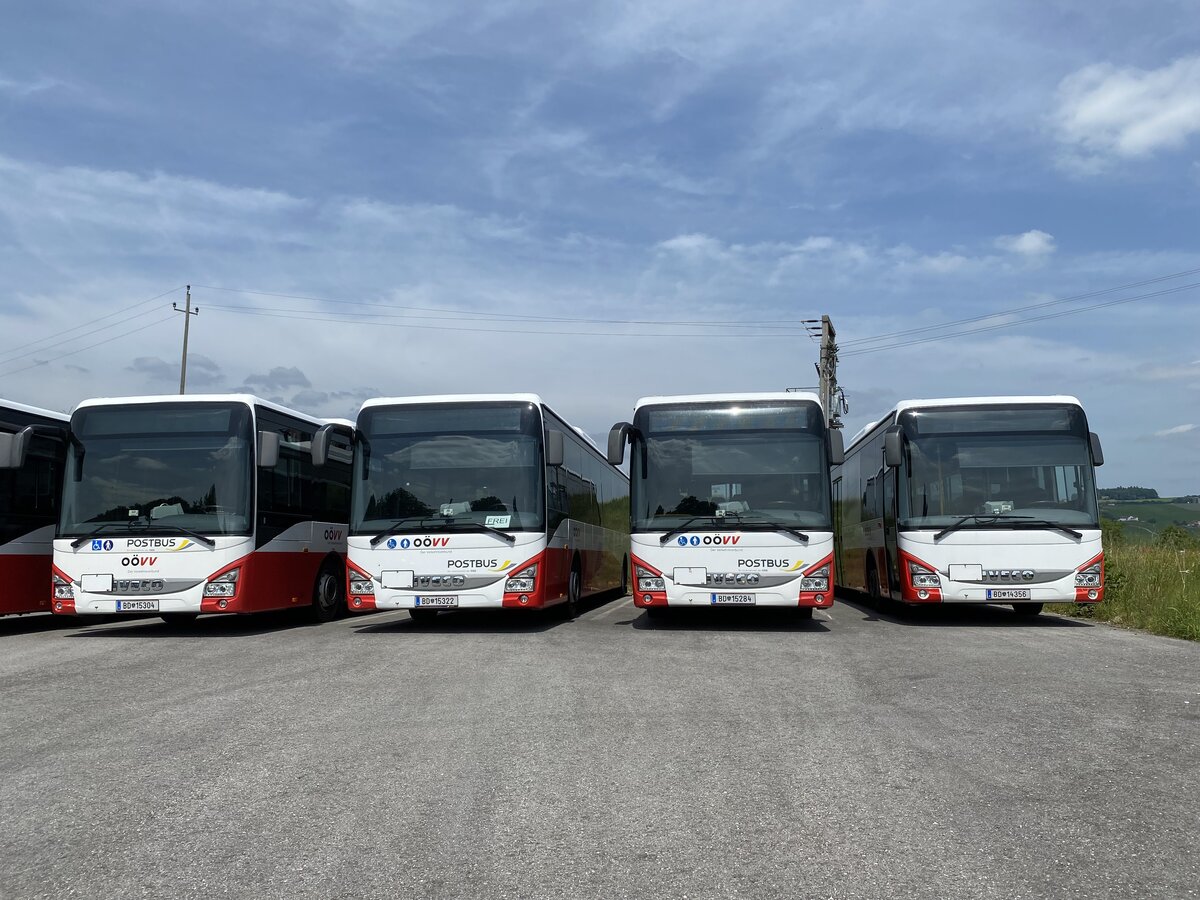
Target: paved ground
point(732, 754)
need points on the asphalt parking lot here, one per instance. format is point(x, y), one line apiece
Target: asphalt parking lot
point(727, 753)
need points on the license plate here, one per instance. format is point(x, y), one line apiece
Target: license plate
point(137, 606)
point(733, 599)
point(440, 601)
point(1009, 594)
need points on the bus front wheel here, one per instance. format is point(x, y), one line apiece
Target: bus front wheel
point(574, 590)
point(327, 602)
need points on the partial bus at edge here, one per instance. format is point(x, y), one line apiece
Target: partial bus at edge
point(181, 506)
point(973, 500)
point(730, 502)
point(33, 445)
point(481, 501)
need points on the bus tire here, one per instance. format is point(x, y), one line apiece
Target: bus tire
point(624, 575)
point(1027, 610)
point(422, 616)
point(178, 618)
point(328, 602)
point(574, 589)
point(873, 589)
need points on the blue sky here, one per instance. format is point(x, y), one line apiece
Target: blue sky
point(518, 187)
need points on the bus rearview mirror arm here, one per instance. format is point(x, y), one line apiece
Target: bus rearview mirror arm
point(1097, 451)
point(268, 449)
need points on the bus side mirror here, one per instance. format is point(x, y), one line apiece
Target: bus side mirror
point(893, 448)
point(618, 436)
point(837, 447)
point(323, 440)
point(268, 449)
point(1097, 452)
point(554, 448)
point(15, 447)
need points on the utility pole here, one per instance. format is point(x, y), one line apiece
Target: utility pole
point(833, 400)
point(188, 312)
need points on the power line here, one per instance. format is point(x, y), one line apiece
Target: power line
point(12, 353)
point(1057, 315)
point(91, 346)
point(1008, 312)
point(451, 313)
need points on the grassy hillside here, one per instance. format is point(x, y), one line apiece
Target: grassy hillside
point(1153, 517)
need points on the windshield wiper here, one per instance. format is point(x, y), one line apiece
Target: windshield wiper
point(395, 528)
point(994, 518)
point(480, 527)
point(685, 526)
point(770, 526)
point(150, 529)
point(398, 526)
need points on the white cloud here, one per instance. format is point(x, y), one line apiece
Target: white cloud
point(1105, 112)
point(1032, 244)
point(1177, 430)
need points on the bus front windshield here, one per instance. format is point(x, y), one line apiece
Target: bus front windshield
point(158, 468)
point(715, 467)
point(998, 465)
point(441, 465)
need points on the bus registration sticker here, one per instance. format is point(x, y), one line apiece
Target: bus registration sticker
point(137, 606)
point(1009, 594)
point(442, 601)
point(733, 599)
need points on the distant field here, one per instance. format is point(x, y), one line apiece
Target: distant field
point(1153, 517)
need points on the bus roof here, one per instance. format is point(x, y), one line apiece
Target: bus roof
point(792, 396)
point(33, 410)
point(452, 398)
point(903, 405)
point(248, 399)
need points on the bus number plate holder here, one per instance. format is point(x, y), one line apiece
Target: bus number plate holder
point(437, 601)
point(1009, 594)
point(732, 599)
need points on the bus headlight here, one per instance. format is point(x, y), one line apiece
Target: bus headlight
point(923, 577)
point(816, 581)
point(63, 589)
point(361, 586)
point(1089, 577)
point(522, 582)
point(648, 581)
point(224, 585)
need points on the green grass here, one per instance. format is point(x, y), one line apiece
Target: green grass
point(1153, 517)
point(1146, 588)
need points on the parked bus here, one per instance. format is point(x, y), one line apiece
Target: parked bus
point(730, 500)
point(481, 501)
point(201, 504)
point(973, 500)
point(33, 443)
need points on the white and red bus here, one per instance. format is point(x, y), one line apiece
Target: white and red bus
point(483, 501)
point(33, 443)
point(201, 504)
point(730, 500)
point(972, 500)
